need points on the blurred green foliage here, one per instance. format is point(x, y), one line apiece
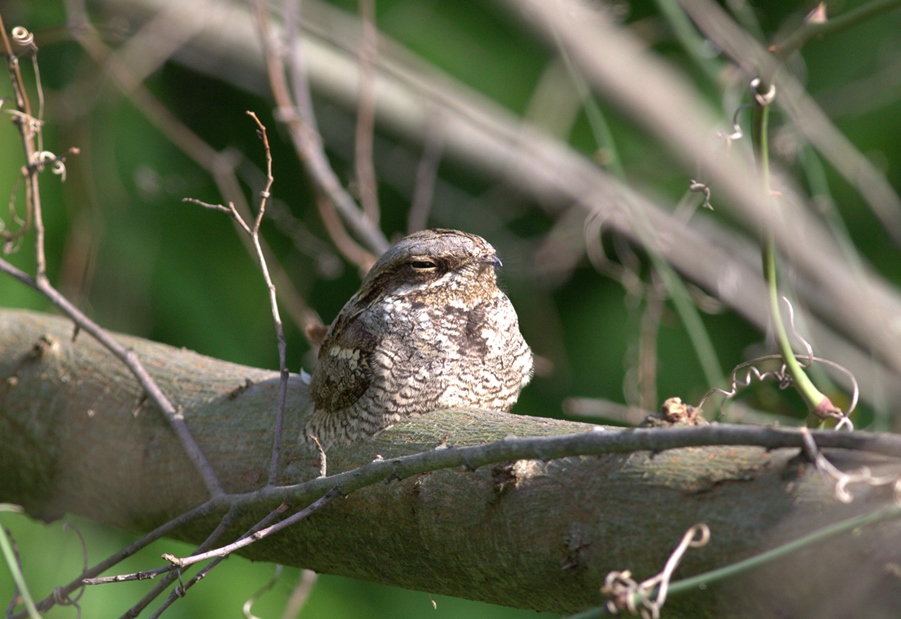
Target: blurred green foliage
point(123, 245)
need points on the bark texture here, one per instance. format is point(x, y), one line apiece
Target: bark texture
point(78, 437)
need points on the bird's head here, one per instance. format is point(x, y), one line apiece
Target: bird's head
point(439, 263)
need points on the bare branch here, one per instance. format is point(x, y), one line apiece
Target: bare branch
point(258, 534)
point(254, 234)
point(227, 520)
point(309, 146)
point(365, 169)
point(221, 166)
point(426, 175)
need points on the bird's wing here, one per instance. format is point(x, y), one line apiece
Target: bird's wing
point(343, 374)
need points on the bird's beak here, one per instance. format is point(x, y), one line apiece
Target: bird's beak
point(492, 259)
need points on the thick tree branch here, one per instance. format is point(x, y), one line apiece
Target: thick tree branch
point(528, 533)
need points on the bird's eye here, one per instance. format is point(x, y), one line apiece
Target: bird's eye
point(423, 265)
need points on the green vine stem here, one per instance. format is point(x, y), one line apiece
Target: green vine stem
point(817, 403)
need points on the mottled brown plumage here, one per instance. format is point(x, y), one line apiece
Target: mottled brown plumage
point(429, 329)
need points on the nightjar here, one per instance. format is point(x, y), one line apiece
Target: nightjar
point(429, 329)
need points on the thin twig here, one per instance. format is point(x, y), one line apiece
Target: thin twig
point(254, 233)
point(248, 605)
point(426, 175)
point(29, 128)
point(260, 533)
point(367, 184)
point(221, 166)
point(227, 520)
point(297, 65)
point(343, 242)
point(65, 599)
point(300, 594)
point(812, 29)
point(582, 444)
point(165, 529)
point(309, 147)
point(224, 523)
point(649, 329)
point(181, 590)
point(273, 303)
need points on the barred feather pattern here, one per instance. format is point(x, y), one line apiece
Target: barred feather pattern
point(428, 330)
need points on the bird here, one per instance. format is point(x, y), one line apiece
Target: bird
point(429, 329)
